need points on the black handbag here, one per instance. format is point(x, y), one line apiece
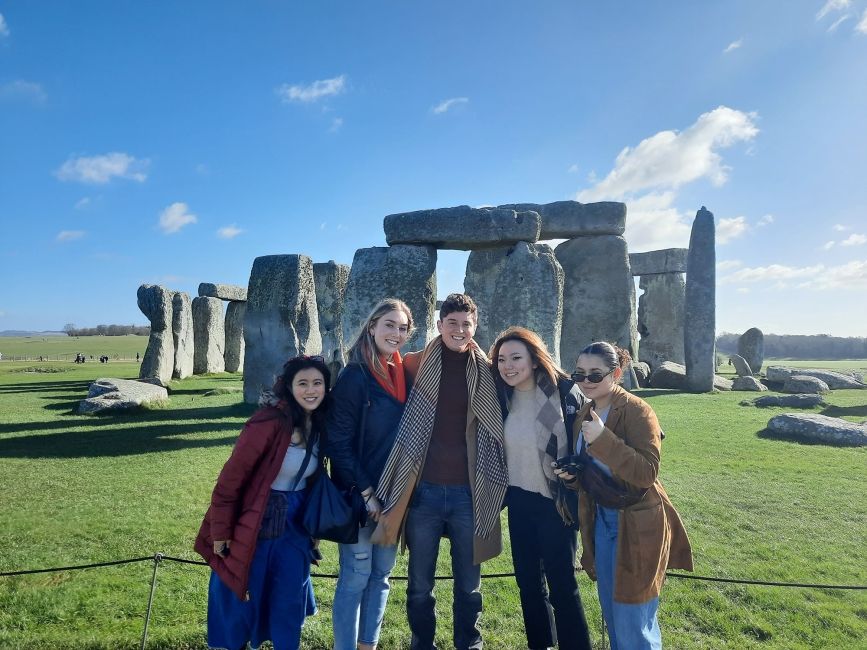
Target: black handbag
point(330, 513)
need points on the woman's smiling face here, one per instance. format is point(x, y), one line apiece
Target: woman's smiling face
point(516, 365)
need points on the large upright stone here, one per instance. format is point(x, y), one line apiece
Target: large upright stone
point(568, 219)
point(331, 278)
point(234, 347)
point(741, 366)
point(666, 260)
point(155, 302)
point(209, 335)
point(660, 318)
point(751, 346)
point(518, 285)
point(462, 227)
point(404, 272)
point(699, 331)
point(598, 296)
point(182, 334)
point(223, 291)
point(281, 319)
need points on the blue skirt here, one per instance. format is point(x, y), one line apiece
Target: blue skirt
point(281, 593)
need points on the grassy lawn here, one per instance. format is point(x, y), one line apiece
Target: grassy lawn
point(85, 489)
point(64, 348)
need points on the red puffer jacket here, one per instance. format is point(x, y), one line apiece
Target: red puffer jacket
point(241, 494)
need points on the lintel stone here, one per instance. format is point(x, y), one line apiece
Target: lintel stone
point(462, 227)
point(222, 291)
point(568, 219)
point(666, 260)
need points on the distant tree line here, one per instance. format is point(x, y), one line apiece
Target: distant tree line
point(802, 346)
point(107, 330)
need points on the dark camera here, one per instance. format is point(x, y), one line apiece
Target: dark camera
point(571, 464)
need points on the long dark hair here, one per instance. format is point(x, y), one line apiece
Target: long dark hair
point(539, 354)
point(288, 404)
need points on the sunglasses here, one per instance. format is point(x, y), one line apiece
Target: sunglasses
point(593, 378)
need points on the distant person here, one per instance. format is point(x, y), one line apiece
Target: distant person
point(367, 403)
point(626, 550)
point(260, 587)
point(137, 357)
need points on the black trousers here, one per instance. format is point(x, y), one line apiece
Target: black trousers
point(543, 551)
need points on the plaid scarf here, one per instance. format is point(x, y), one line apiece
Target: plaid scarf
point(489, 476)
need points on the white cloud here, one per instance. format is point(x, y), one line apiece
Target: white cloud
point(447, 104)
point(743, 289)
point(573, 169)
point(4, 28)
point(839, 227)
point(175, 217)
point(832, 5)
point(728, 229)
point(862, 24)
point(653, 222)
point(733, 46)
point(854, 240)
point(336, 124)
point(728, 265)
point(101, 169)
point(229, 232)
point(81, 204)
point(322, 225)
point(828, 245)
point(25, 91)
point(69, 235)
point(819, 277)
point(312, 92)
point(836, 23)
point(670, 159)
point(766, 220)
point(774, 272)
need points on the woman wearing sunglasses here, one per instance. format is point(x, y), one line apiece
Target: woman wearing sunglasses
point(626, 550)
point(539, 404)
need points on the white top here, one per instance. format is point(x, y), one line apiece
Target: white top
point(522, 454)
point(291, 464)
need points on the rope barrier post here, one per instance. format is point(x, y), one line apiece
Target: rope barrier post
point(158, 557)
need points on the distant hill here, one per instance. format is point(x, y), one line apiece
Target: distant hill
point(25, 333)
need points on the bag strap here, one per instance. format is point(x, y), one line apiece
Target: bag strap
point(308, 452)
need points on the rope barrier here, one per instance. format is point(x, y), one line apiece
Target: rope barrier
point(76, 568)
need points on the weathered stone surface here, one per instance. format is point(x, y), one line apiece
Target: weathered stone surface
point(462, 227)
point(117, 394)
point(665, 260)
point(223, 291)
point(751, 346)
point(673, 375)
point(790, 401)
point(642, 372)
point(404, 272)
point(233, 356)
point(699, 328)
point(209, 335)
point(834, 380)
point(812, 427)
point(182, 335)
point(598, 296)
point(331, 279)
point(155, 302)
point(746, 382)
point(630, 378)
point(804, 384)
point(660, 318)
point(568, 219)
point(741, 366)
point(520, 285)
point(281, 319)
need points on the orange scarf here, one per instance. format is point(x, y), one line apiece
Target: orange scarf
point(394, 382)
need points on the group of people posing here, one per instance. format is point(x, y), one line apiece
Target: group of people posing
point(438, 442)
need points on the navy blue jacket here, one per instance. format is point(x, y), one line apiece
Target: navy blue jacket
point(350, 466)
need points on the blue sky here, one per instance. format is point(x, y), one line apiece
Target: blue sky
point(173, 143)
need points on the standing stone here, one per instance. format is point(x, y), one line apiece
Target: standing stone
point(404, 272)
point(209, 335)
point(520, 285)
point(330, 279)
point(182, 334)
point(741, 366)
point(223, 291)
point(598, 296)
point(234, 348)
point(281, 319)
point(660, 318)
point(748, 383)
point(568, 219)
point(155, 302)
point(751, 346)
point(699, 332)
point(462, 227)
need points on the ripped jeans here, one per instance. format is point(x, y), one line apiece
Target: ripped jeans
point(362, 591)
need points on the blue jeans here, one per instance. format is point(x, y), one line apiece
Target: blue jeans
point(437, 511)
point(362, 591)
point(630, 627)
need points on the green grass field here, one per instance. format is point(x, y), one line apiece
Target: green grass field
point(64, 348)
point(85, 489)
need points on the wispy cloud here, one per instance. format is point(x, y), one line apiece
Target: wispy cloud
point(312, 92)
point(852, 275)
point(839, 227)
point(81, 204)
point(4, 28)
point(336, 125)
point(828, 245)
point(728, 229)
point(70, 235)
point(728, 265)
point(838, 22)
point(99, 170)
point(574, 169)
point(447, 104)
point(733, 46)
point(833, 6)
point(861, 27)
point(175, 217)
point(854, 240)
point(765, 220)
point(23, 91)
point(229, 232)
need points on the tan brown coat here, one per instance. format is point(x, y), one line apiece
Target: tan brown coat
point(651, 535)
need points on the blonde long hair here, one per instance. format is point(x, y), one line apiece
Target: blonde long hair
point(363, 350)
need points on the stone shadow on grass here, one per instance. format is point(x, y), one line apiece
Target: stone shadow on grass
point(846, 411)
point(767, 434)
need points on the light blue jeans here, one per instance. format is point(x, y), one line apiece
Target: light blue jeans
point(362, 591)
point(630, 627)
